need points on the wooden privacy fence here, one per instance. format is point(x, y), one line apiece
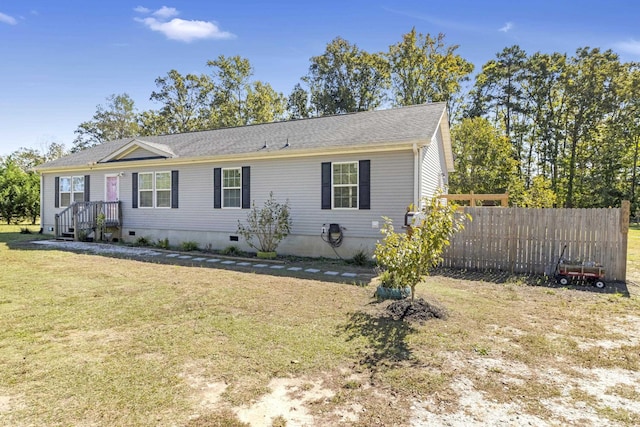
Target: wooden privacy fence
point(526, 240)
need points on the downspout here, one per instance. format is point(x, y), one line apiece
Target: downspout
point(417, 183)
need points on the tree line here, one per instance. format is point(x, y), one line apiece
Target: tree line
point(552, 129)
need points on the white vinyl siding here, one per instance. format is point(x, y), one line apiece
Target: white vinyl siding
point(71, 190)
point(231, 188)
point(154, 189)
point(345, 185)
point(433, 170)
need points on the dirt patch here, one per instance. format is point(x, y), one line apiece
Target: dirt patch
point(287, 400)
point(10, 403)
point(417, 310)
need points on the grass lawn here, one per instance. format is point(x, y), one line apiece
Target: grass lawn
point(91, 340)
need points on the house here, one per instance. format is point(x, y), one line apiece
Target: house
point(351, 170)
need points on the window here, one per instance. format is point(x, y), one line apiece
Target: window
point(71, 190)
point(231, 188)
point(163, 189)
point(154, 189)
point(345, 185)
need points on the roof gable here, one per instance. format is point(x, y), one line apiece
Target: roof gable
point(139, 150)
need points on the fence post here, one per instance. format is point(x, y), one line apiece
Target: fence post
point(625, 214)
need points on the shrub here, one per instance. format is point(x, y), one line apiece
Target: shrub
point(269, 225)
point(361, 258)
point(190, 246)
point(230, 250)
point(406, 259)
point(142, 241)
point(163, 243)
point(25, 230)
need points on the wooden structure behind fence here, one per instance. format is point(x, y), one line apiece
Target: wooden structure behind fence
point(525, 240)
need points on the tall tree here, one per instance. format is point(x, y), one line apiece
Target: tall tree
point(183, 98)
point(238, 101)
point(346, 79)
point(483, 160)
point(592, 77)
point(298, 103)
point(498, 95)
point(425, 69)
point(116, 120)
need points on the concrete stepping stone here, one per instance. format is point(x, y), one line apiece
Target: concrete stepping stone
point(199, 259)
point(228, 262)
point(294, 268)
point(312, 270)
point(277, 267)
point(185, 257)
point(260, 265)
point(213, 260)
point(331, 273)
point(243, 264)
point(349, 274)
point(172, 255)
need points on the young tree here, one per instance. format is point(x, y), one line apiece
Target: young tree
point(268, 225)
point(407, 259)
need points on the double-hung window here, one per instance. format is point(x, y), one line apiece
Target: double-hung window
point(154, 189)
point(345, 185)
point(71, 190)
point(231, 188)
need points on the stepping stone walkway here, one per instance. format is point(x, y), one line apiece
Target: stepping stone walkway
point(261, 265)
point(102, 248)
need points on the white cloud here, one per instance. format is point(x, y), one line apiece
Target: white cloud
point(166, 12)
point(7, 19)
point(181, 29)
point(508, 26)
point(142, 9)
point(630, 46)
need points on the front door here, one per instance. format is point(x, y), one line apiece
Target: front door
point(112, 188)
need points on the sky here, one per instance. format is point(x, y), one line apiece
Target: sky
point(60, 59)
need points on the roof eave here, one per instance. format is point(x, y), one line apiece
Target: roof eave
point(281, 154)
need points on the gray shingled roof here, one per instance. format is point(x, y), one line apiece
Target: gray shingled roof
point(407, 124)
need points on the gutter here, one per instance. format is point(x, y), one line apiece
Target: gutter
point(252, 156)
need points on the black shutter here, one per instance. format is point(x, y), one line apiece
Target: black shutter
point(217, 188)
point(87, 188)
point(134, 190)
point(326, 185)
point(246, 187)
point(174, 189)
point(364, 184)
point(56, 186)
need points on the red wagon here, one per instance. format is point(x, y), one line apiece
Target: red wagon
point(588, 272)
point(591, 272)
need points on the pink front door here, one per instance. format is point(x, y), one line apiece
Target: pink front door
point(112, 188)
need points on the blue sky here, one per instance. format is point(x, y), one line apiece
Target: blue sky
point(60, 59)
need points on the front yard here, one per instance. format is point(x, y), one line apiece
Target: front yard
point(93, 340)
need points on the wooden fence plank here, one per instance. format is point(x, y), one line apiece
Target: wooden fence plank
point(523, 240)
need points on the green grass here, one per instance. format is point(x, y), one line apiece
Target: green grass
point(92, 340)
